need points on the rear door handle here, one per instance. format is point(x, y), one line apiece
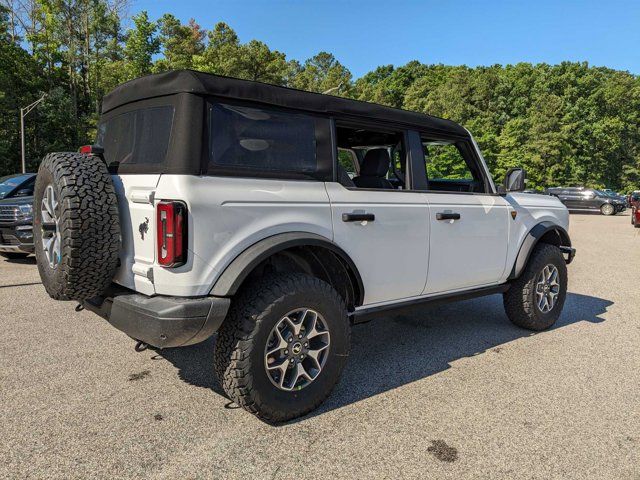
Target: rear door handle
point(358, 217)
point(447, 216)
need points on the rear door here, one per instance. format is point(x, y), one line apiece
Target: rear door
point(137, 229)
point(135, 140)
point(391, 249)
point(573, 199)
point(377, 221)
point(469, 222)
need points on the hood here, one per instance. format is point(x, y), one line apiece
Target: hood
point(534, 200)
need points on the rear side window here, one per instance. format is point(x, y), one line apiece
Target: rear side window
point(256, 141)
point(136, 138)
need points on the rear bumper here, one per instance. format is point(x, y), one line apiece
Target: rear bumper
point(161, 321)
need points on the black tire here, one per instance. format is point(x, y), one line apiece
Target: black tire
point(607, 209)
point(89, 227)
point(520, 300)
point(240, 347)
point(14, 255)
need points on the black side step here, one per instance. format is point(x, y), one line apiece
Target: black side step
point(369, 313)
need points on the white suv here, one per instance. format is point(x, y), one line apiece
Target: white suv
point(278, 218)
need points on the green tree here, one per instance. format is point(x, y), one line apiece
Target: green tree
point(322, 73)
point(180, 43)
point(141, 44)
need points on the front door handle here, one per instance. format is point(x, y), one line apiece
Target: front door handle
point(358, 217)
point(447, 216)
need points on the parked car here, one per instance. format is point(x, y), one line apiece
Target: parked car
point(16, 215)
point(588, 199)
point(634, 202)
point(214, 204)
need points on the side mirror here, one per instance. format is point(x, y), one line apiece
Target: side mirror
point(515, 180)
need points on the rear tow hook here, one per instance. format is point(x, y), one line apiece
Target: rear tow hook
point(79, 307)
point(140, 347)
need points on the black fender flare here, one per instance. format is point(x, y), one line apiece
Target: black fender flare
point(531, 240)
point(240, 267)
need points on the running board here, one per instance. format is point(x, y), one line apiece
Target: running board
point(369, 313)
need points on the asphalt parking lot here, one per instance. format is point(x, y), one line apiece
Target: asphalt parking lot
point(449, 392)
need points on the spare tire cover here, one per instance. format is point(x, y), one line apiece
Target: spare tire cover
point(76, 227)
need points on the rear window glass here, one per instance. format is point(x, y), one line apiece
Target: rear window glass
point(258, 139)
point(139, 137)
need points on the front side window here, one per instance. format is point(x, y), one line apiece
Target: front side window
point(262, 141)
point(450, 167)
point(136, 138)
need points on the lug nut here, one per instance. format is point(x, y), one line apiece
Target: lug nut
point(286, 352)
point(301, 356)
point(291, 360)
point(306, 345)
point(299, 335)
point(290, 339)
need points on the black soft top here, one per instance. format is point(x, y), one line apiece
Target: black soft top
point(206, 84)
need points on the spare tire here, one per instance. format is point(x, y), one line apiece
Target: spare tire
point(76, 227)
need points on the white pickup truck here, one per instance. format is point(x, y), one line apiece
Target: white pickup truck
point(277, 218)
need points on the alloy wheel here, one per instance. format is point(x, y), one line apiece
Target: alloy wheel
point(297, 349)
point(607, 209)
point(547, 288)
point(50, 214)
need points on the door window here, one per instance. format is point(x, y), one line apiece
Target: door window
point(371, 158)
point(450, 167)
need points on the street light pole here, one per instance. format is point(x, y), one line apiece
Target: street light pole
point(23, 113)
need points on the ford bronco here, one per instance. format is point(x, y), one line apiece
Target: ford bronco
point(276, 218)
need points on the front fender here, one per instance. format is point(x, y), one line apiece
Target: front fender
point(533, 237)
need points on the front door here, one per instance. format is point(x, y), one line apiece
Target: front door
point(468, 244)
point(469, 222)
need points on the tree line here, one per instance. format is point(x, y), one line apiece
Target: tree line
point(567, 124)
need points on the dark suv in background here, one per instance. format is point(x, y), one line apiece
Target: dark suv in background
point(588, 199)
point(16, 215)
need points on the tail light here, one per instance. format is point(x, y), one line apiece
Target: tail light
point(91, 150)
point(172, 233)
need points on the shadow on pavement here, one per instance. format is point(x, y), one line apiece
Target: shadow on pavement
point(393, 351)
point(30, 260)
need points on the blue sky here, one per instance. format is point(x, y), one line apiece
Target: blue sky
point(365, 34)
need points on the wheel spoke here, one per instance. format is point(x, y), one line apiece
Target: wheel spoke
point(309, 320)
point(282, 343)
point(299, 372)
point(315, 356)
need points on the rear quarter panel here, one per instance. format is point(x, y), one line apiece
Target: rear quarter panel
point(228, 215)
